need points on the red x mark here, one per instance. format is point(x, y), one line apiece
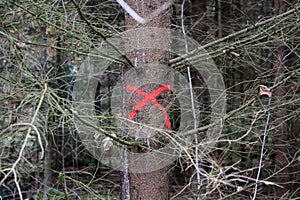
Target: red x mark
point(149, 97)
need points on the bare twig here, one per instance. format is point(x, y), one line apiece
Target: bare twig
point(27, 136)
point(192, 101)
point(262, 149)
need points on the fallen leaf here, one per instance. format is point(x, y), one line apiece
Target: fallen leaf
point(239, 188)
point(48, 30)
point(21, 44)
point(264, 90)
point(230, 52)
point(108, 142)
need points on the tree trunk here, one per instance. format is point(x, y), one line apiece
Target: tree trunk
point(281, 134)
point(152, 185)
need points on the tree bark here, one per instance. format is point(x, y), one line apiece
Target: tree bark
point(281, 135)
point(152, 185)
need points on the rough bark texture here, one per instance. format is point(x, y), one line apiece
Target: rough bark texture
point(144, 9)
point(281, 134)
point(150, 186)
point(153, 185)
